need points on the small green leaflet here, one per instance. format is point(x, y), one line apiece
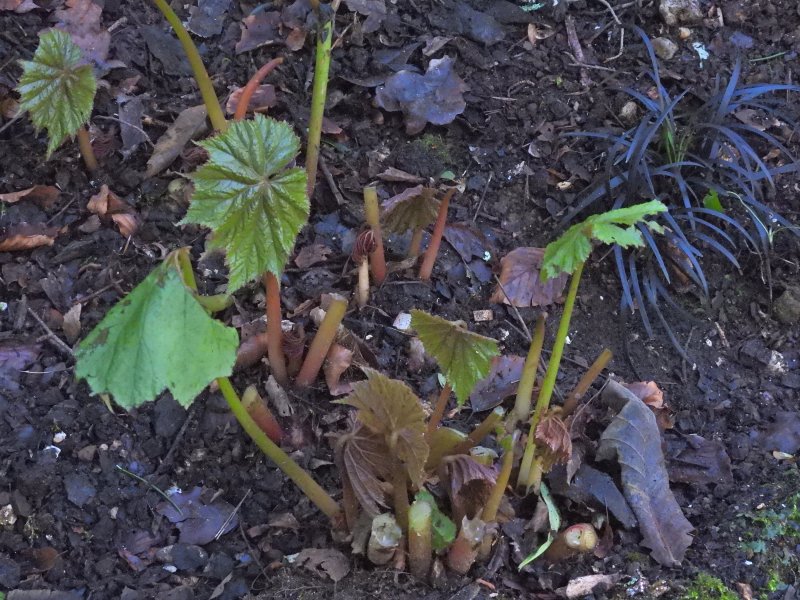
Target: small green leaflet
point(249, 197)
point(464, 357)
point(57, 87)
point(157, 337)
point(555, 524)
point(443, 530)
point(711, 201)
point(613, 227)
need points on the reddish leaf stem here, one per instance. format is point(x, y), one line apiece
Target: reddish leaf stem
point(426, 268)
point(277, 359)
point(322, 342)
point(252, 86)
point(87, 152)
point(377, 260)
point(438, 411)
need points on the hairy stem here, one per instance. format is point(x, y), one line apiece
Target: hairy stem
point(572, 399)
point(362, 287)
point(275, 354)
point(419, 539)
point(522, 406)
point(426, 268)
point(293, 471)
point(85, 147)
point(210, 99)
point(438, 411)
point(549, 381)
point(416, 242)
point(322, 342)
point(400, 494)
point(372, 214)
point(252, 86)
point(322, 64)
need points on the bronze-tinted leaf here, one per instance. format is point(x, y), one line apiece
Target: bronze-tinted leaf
point(522, 283)
point(112, 209)
point(468, 483)
point(363, 458)
point(389, 408)
point(499, 384)
point(413, 208)
point(634, 438)
point(649, 393)
point(27, 236)
point(311, 255)
point(43, 195)
point(554, 440)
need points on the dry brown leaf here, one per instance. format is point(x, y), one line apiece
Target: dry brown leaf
point(337, 362)
point(82, 20)
point(18, 6)
point(26, 236)
point(263, 98)
point(324, 561)
point(396, 175)
point(553, 435)
point(520, 280)
point(416, 355)
point(251, 350)
point(43, 195)
point(189, 124)
point(259, 29)
point(311, 255)
point(648, 392)
point(112, 209)
point(72, 323)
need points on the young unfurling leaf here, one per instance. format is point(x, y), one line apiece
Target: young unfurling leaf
point(389, 408)
point(57, 87)
point(443, 529)
point(464, 357)
point(613, 227)
point(158, 337)
point(413, 208)
point(364, 461)
point(247, 194)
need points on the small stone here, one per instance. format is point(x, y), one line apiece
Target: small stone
point(87, 453)
point(787, 306)
point(664, 48)
point(675, 12)
point(7, 516)
point(629, 111)
point(482, 315)
point(684, 33)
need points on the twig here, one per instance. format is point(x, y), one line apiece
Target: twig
point(93, 295)
point(621, 47)
point(331, 182)
point(233, 514)
point(576, 63)
point(575, 44)
point(167, 460)
point(514, 308)
point(152, 486)
point(52, 336)
point(611, 10)
point(483, 196)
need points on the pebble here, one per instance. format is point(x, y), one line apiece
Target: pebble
point(664, 48)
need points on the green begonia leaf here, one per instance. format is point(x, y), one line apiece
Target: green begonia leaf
point(249, 197)
point(443, 530)
point(464, 357)
point(57, 87)
point(613, 227)
point(158, 337)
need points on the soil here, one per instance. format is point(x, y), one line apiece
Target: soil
point(83, 527)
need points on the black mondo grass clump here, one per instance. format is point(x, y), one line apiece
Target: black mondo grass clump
point(712, 163)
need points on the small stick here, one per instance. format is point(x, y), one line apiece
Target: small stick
point(426, 268)
point(153, 487)
point(572, 37)
point(50, 335)
point(233, 514)
point(592, 373)
point(87, 152)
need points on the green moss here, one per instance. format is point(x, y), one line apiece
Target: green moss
point(708, 587)
point(436, 145)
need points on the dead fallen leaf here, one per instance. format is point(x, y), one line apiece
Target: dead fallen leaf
point(259, 29)
point(374, 10)
point(263, 98)
point(72, 323)
point(251, 350)
point(311, 255)
point(198, 521)
point(499, 384)
point(436, 97)
point(434, 44)
point(131, 113)
point(634, 439)
point(18, 6)
point(467, 241)
point(399, 176)
point(416, 356)
point(189, 124)
point(694, 459)
point(468, 483)
point(593, 488)
point(783, 434)
point(111, 208)
point(208, 17)
point(14, 357)
point(413, 208)
point(554, 439)
point(82, 20)
point(649, 393)
point(364, 462)
point(42, 195)
point(324, 561)
point(587, 585)
point(337, 362)
point(26, 236)
point(520, 279)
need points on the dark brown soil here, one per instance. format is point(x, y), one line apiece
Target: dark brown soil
point(65, 490)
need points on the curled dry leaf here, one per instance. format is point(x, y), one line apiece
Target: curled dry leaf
point(521, 281)
point(554, 438)
point(251, 350)
point(468, 483)
point(190, 123)
point(374, 10)
point(208, 17)
point(324, 562)
point(82, 20)
point(337, 362)
point(26, 236)
point(111, 208)
point(416, 355)
point(649, 393)
point(43, 195)
point(263, 98)
point(259, 29)
point(72, 323)
point(413, 208)
point(436, 97)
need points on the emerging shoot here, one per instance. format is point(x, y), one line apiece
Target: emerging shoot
point(428, 260)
